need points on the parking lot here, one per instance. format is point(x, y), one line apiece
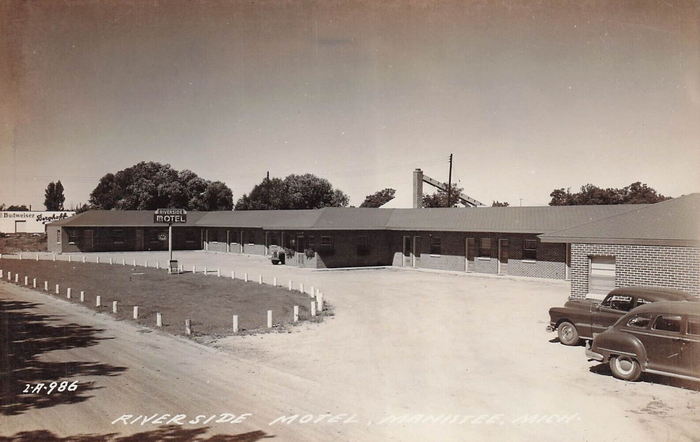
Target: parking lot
point(405, 343)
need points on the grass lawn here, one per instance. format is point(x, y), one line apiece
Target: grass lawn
point(208, 301)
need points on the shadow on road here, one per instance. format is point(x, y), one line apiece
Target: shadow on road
point(25, 336)
point(170, 433)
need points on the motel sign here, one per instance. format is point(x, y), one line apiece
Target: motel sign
point(170, 216)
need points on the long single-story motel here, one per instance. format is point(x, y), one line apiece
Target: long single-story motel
point(596, 247)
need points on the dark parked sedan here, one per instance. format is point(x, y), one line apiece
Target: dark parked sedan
point(583, 319)
point(661, 338)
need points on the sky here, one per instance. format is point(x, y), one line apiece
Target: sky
point(528, 96)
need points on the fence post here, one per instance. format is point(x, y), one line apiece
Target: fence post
point(158, 265)
point(46, 286)
point(218, 273)
point(235, 323)
point(26, 280)
point(205, 270)
point(110, 260)
point(269, 319)
point(194, 268)
point(260, 279)
point(313, 308)
point(0, 273)
point(134, 263)
point(188, 327)
point(54, 257)
point(245, 277)
point(136, 312)
point(159, 320)
point(57, 290)
point(82, 296)
point(69, 258)
point(97, 259)
point(97, 300)
point(145, 264)
point(319, 301)
point(290, 285)
point(274, 282)
point(233, 274)
point(83, 259)
point(33, 281)
point(114, 306)
point(16, 277)
point(20, 256)
point(123, 261)
point(301, 287)
point(68, 293)
point(37, 256)
point(295, 318)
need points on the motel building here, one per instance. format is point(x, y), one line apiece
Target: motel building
point(596, 247)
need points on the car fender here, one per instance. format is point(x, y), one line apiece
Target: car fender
point(613, 342)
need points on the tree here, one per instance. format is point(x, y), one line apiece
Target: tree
point(293, 192)
point(439, 198)
point(378, 199)
point(499, 204)
point(53, 196)
point(151, 185)
point(635, 193)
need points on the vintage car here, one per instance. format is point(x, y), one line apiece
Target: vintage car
point(277, 255)
point(583, 319)
point(661, 338)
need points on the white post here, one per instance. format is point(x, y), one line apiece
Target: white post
point(20, 256)
point(37, 256)
point(146, 264)
point(188, 327)
point(16, 277)
point(290, 285)
point(319, 301)
point(157, 265)
point(134, 263)
point(235, 323)
point(301, 287)
point(57, 290)
point(233, 274)
point(123, 261)
point(54, 257)
point(26, 280)
point(97, 300)
point(274, 281)
point(218, 273)
point(205, 270)
point(110, 260)
point(33, 281)
point(0, 273)
point(159, 320)
point(313, 308)
point(295, 318)
point(114, 306)
point(83, 260)
point(68, 292)
point(260, 279)
point(97, 260)
point(69, 259)
point(194, 268)
point(46, 286)
point(245, 277)
point(136, 312)
point(82, 296)
point(312, 291)
point(269, 319)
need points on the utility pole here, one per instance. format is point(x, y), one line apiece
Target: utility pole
point(449, 185)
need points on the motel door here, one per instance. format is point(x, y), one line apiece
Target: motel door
point(416, 251)
point(503, 256)
point(407, 258)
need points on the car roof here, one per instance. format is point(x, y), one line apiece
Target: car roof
point(672, 307)
point(657, 293)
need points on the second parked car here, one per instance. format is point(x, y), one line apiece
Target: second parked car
point(583, 319)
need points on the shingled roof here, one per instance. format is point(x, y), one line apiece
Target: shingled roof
point(121, 218)
point(674, 222)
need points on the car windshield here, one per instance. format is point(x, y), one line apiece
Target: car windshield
point(618, 302)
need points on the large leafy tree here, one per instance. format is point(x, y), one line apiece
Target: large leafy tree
point(635, 193)
point(53, 196)
point(439, 198)
point(378, 199)
point(293, 192)
point(151, 185)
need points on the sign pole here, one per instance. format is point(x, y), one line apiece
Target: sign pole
point(170, 240)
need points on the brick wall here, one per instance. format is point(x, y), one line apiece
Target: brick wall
point(661, 266)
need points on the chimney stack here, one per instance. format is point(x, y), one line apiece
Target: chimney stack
point(417, 189)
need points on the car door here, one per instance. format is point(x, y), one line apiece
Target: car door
point(663, 343)
point(690, 350)
point(609, 311)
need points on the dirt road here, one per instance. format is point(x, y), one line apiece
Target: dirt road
point(467, 353)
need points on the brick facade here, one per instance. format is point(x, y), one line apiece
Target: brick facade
point(661, 266)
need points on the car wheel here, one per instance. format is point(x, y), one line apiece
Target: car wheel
point(568, 335)
point(625, 368)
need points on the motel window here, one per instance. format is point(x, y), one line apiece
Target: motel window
point(190, 235)
point(250, 237)
point(362, 245)
point(435, 246)
point(485, 247)
point(326, 243)
point(72, 236)
point(118, 236)
point(221, 235)
point(153, 235)
point(530, 249)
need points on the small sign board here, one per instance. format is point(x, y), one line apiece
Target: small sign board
point(170, 216)
point(163, 236)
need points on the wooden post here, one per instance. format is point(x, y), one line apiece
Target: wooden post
point(134, 263)
point(16, 277)
point(20, 256)
point(33, 281)
point(194, 268)
point(69, 259)
point(290, 285)
point(68, 293)
point(26, 280)
point(114, 306)
point(136, 312)
point(245, 277)
point(260, 279)
point(97, 259)
point(188, 327)
point(54, 257)
point(319, 301)
point(301, 287)
point(110, 260)
point(312, 291)
point(235, 323)
point(218, 273)
point(313, 308)
point(274, 282)
point(46, 286)
point(146, 264)
point(82, 296)
point(269, 319)
point(295, 318)
point(233, 274)
point(0, 273)
point(37, 256)
point(57, 289)
point(157, 265)
point(205, 270)
point(159, 320)
point(123, 261)
point(97, 300)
